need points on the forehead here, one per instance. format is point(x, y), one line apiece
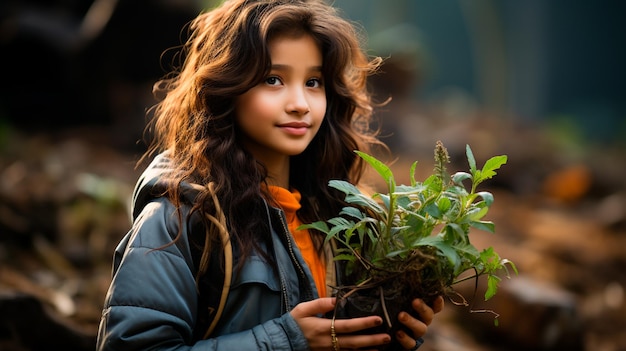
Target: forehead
point(302, 49)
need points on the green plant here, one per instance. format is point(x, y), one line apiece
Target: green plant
point(414, 240)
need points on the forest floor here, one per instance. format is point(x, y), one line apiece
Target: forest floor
point(560, 216)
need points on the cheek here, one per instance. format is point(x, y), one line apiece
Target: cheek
point(320, 109)
point(261, 106)
point(250, 108)
point(319, 119)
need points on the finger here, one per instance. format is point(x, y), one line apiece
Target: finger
point(438, 304)
point(405, 340)
point(314, 307)
point(417, 327)
point(426, 314)
point(360, 342)
point(356, 324)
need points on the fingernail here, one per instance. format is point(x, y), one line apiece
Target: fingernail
point(378, 321)
point(403, 317)
point(387, 339)
point(400, 334)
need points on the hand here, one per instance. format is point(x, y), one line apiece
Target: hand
point(417, 326)
point(318, 330)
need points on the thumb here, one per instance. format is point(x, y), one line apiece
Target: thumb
point(314, 307)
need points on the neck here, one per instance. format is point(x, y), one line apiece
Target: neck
point(278, 172)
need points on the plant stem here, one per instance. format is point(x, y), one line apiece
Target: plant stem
point(384, 306)
point(390, 215)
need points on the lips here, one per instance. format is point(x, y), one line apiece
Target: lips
point(294, 125)
point(295, 128)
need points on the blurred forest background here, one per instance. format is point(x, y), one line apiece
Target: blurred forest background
point(543, 82)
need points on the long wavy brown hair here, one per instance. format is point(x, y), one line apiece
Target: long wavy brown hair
point(225, 55)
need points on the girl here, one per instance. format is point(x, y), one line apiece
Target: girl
point(268, 106)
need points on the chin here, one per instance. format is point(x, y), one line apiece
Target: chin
point(295, 153)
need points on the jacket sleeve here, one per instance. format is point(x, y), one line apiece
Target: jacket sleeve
point(152, 300)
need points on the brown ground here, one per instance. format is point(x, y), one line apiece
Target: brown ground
point(559, 212)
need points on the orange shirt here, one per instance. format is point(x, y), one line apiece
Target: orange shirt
point(289, 202)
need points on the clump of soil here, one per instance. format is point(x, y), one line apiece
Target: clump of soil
point(388, 293)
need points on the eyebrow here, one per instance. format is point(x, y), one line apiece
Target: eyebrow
point(280, 67)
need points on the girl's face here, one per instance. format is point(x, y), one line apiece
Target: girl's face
point(280, 116)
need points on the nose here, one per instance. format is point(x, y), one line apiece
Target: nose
point(297, 103)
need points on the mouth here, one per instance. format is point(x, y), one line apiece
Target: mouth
point(295, 128)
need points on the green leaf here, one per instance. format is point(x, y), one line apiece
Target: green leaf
point(340, 222)
point(475, 214)
point(396, 253)
point(433, 183)
point(492, 286)
point(382, 169)
point(363, 200)
point(457, 191)
point(352, 212)
point(447, 250)
point(484, 225)
point(494, 163)
point(470, 158)
point(468, 249)
point(412, 173)
point(346, 187)
point(384, 198)
point(444, 204)
point(458, 230)
point(486, 196)
point(459, 177)
point(433, 210)
point(321, 226)
point(345, 257)
point(504, 262)
point(417, 223)
point(489, 169)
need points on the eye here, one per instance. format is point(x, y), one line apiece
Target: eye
point(273, 80)
point(314, 83)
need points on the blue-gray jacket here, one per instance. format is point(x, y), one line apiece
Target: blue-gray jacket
point(152, 302)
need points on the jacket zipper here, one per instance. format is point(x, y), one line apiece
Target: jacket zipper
point(287, 236)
